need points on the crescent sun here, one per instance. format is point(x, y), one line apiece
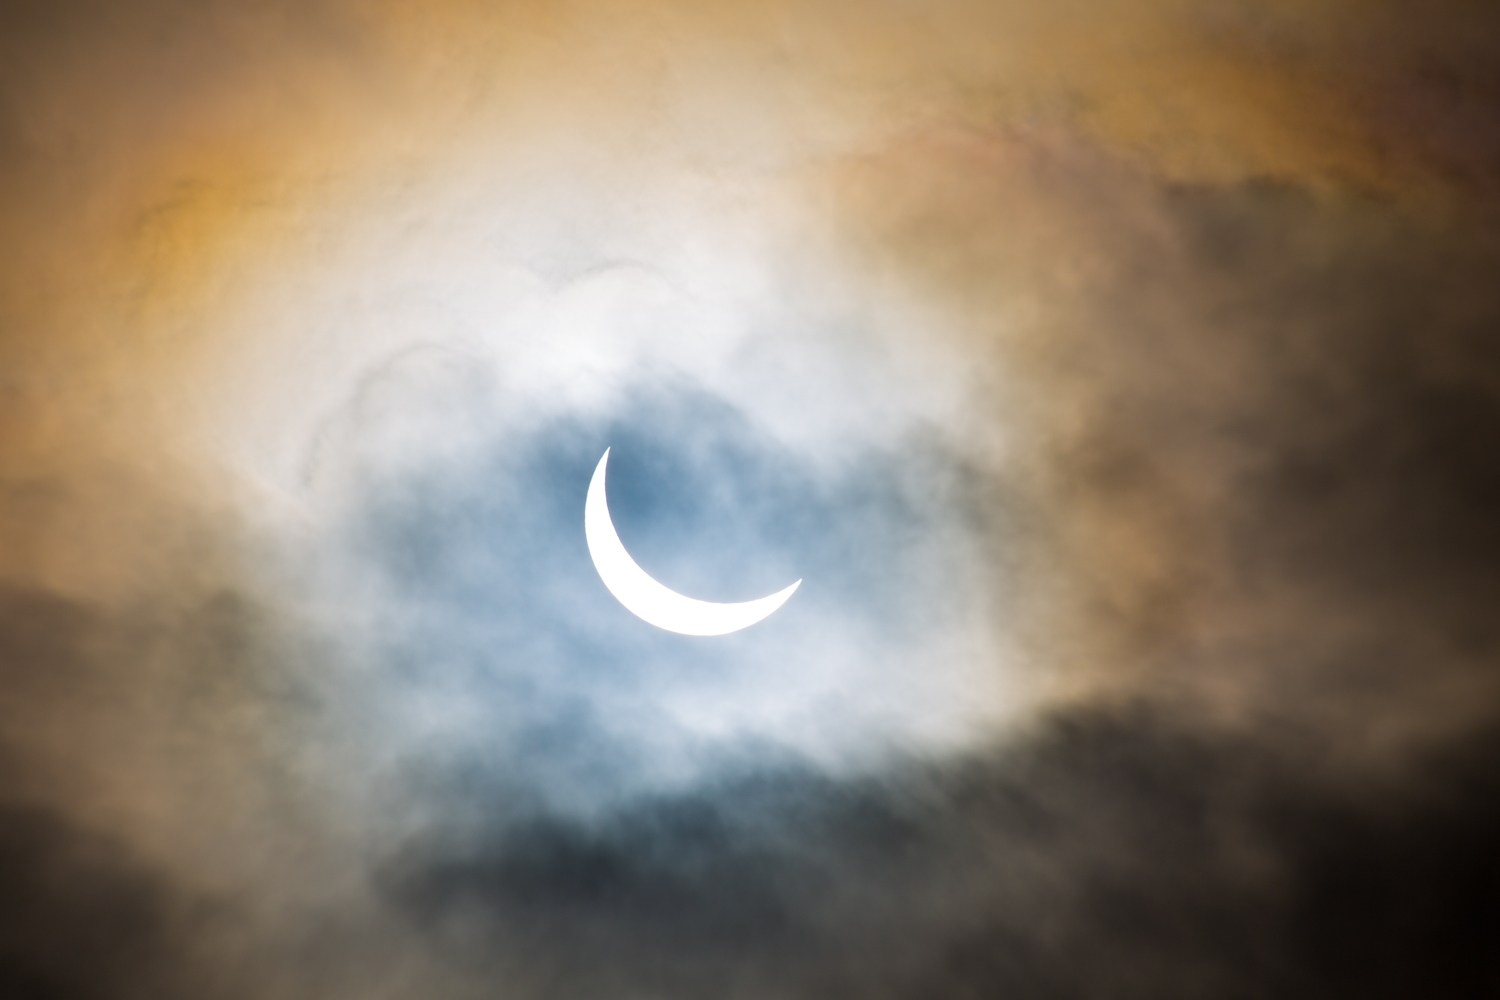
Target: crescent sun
point(649, 600)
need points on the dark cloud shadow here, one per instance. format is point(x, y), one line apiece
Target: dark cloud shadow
point(1118, 853)
point(82, 918)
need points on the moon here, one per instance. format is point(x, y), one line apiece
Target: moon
point(653, 602)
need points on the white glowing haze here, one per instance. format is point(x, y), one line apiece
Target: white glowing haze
point(507, 321)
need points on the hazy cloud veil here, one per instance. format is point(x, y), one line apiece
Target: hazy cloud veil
point(1120, 383)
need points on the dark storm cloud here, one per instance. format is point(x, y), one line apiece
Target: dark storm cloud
point(1260, 416)
point(1335, 483)
point(143, 783)
point(82, 919)
point(82, 915)
point(1116, 853)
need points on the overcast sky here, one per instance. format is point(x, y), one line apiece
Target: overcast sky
point(1120, 379)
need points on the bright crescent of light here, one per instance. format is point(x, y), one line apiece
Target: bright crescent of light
point(651, 601)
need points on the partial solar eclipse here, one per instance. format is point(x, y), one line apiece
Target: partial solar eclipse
point(649, 600)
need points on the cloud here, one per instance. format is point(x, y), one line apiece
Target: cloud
point(1241, 408)
point(490, 625)
point(1119, 380)
point(82, 918)
point(1117, 852)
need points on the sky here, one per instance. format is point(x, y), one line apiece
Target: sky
point(1120, 379)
